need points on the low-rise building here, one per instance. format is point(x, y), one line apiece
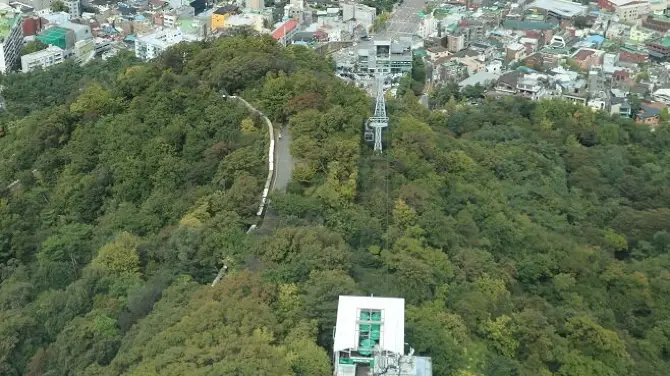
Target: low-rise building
point(449, 70)
point(251, 20)
point(533, 86)
point(455, 42)
point(633, 54)
point(45, 58)
point(659, 23)
point(102, 46)
point(369, 338)
point(648, 115)
point(58, 36)
point(597, 104)
point(632, 11)
point(621, 79)
point(616, 31)
point(220, 15)
point(640, 34)
point(514, 52)
point(169, 19)
point(574, 93)
point(84, 51)
point(586, 58)
point(620, 106)
point(482, 78)
point(559, 9)
point(79, 31)
point(662, 95)
point(596, 81)
point(285, 31)
point(551, 56)
point(507, 82)
point(610, 63)
point(148, 47)
point(659, 48)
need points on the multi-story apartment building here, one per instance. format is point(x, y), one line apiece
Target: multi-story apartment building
point(50, 56)
point(627, 10)
point(11, 38)
point(73, 7)
point(455, 42)
point(150, 46)
point(363, 14)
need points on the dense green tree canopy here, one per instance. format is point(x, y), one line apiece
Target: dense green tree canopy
point(526, 238)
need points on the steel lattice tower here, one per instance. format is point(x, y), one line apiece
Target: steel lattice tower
point(379, 120)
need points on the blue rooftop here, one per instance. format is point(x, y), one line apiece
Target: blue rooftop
point(597, 39)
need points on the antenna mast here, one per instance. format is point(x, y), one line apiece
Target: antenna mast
point(379, 120)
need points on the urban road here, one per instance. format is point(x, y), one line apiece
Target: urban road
point(404, 20)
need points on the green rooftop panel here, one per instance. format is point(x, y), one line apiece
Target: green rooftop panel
point(55, 36)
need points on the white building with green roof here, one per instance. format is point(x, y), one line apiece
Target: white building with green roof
point(11, 38)
point(369, 339)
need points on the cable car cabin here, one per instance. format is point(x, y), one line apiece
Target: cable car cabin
point(369, 133)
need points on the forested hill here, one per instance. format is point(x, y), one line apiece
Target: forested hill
point(124, 185)
point(527, 238)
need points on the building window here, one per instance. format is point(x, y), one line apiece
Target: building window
point(369, 330)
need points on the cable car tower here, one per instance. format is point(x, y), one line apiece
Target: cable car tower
point(379, 120)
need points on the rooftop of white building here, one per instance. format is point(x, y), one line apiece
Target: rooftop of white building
point(43, 53)
point(241, 20)
point(163, 38)
point(625, 2)
point(392, 310)
point(561, 7)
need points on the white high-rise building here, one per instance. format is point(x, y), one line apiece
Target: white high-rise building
point(49, 56)
point(11, 38)
point(74, 8)
point(363, 14)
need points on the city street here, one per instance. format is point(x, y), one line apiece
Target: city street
point(404, 21)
